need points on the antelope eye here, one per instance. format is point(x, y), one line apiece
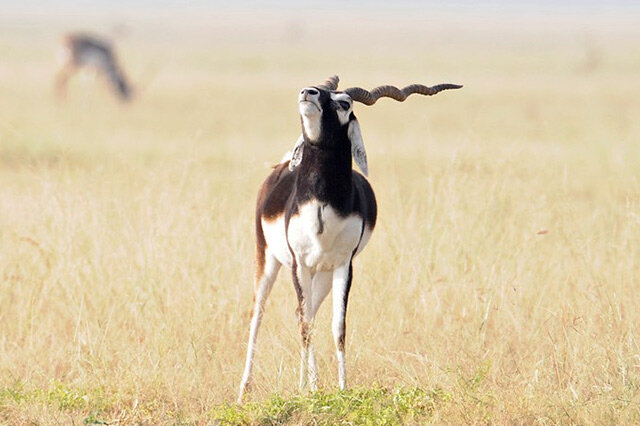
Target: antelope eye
point(344, 104)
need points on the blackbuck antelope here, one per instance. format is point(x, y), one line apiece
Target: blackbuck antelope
point(315, 214)
point(86, 51)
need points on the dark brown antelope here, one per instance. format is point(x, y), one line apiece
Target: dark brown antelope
point(315, 214)
point(80, 50)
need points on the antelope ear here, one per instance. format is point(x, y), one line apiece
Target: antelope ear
point(296, 154)
point(357, 146)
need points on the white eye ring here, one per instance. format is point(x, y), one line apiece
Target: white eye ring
point(344, 105)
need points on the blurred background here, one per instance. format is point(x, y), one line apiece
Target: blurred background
point(171, 50)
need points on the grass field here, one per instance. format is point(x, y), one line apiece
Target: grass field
point(501, 284)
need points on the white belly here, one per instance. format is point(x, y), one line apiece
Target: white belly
point(322, 242)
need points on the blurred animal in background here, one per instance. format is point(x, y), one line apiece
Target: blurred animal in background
point(80, 50)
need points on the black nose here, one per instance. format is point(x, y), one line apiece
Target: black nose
point(309, 91)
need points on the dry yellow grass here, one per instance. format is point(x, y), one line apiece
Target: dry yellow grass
point(504, 268)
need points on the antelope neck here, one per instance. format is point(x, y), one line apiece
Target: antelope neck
point(325, 174)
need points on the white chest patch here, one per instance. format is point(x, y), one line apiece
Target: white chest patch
point(324, 250)
point(321, 238)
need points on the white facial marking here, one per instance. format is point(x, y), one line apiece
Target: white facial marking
point(312, 127)
point(311, 112)
point(342, 100)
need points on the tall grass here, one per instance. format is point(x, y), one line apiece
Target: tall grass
point(503, 271)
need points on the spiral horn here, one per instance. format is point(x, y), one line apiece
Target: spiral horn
point(359, 94)
point(331, 83)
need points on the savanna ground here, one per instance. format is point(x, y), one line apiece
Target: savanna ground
point(501, 283)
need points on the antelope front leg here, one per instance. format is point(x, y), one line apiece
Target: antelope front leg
point(265, 283)
point(341, 285)
point(302, 282)
point(320, 286)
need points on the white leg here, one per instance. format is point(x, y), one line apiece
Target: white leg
point(320, 287)
point(302, 283)
point(304, 363)
point(341, 287)
point(271, 268)
point(312, 368)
